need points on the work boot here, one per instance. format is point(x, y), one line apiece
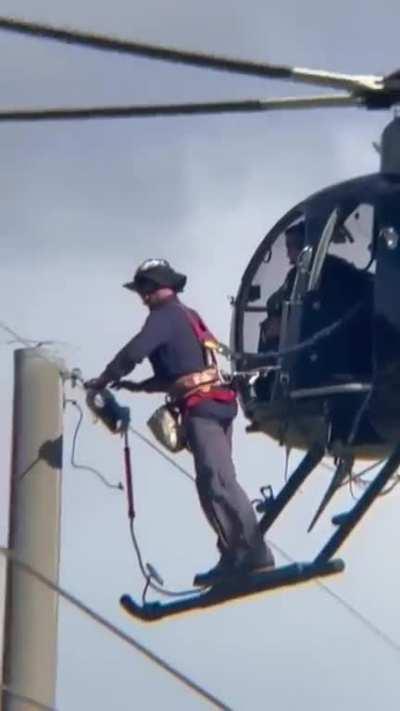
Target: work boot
point(255, 560)
point(260, 556)
point(221, 571)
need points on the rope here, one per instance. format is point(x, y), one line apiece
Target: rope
point(25, 699)
point(113, 629)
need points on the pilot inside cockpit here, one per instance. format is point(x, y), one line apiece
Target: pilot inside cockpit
point(341, 287)
point(271, 326)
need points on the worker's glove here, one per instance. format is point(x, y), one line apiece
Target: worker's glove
point(96, 384)
point(127, 385)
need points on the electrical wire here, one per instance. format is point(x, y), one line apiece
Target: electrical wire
point(113, 629)
point(35, 345)
point(350, 608)
point(25, 699)
point(85, 467)
point(150, 578)
point(79, 380)
point(161, 453)
point(377, 631)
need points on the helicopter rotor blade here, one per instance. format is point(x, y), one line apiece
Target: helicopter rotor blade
point(249, 106)
point(356, 83)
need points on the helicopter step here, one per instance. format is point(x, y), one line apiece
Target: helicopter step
point(233, 589)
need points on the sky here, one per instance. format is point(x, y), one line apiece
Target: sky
point(82, 205)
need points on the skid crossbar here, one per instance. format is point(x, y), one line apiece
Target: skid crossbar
point(251, 585)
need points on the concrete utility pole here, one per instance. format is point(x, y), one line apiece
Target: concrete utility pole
point(30, 650)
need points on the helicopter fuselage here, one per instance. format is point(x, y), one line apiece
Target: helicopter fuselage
point(334, 375)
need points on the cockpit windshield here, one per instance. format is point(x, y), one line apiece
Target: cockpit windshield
point(353, 239)
point(281, 261)
point(268, 287)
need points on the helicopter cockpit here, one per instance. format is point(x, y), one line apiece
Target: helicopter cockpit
point(304, 315)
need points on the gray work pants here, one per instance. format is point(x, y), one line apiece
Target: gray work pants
point(225, 504)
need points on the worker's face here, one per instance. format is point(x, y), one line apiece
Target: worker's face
point(292, 248)
point(156, 297)
point(146, 298)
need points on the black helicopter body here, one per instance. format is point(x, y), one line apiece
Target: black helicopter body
point(342, 388)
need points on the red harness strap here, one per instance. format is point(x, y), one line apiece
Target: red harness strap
point(203, 334)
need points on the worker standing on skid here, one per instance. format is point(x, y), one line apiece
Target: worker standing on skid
point(174, 339)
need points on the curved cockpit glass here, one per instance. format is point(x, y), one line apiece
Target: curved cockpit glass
point(279, 262)
point(311, 272)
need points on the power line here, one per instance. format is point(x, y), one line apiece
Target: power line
point(162, 454)
point(34, 345)
point(371, 626)
point(116, 631)
point(25, 699)
point(377, 631)
point(28, 342)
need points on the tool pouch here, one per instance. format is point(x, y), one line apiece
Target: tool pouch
point(166, 424)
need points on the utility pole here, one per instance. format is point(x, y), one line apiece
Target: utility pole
point(30, 648)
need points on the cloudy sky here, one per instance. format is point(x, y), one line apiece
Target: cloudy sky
point(82, 205)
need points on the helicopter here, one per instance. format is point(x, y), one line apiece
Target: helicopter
point(330, 385)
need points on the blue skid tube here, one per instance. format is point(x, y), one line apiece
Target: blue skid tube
point(233, 589)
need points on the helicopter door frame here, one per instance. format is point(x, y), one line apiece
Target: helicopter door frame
point(322, 250)
point(299, 287)
point(308, 274)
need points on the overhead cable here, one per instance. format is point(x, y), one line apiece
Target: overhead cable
point(372, 627)
point(113, 629)
point(377, 631)
point(35, 345)
point(24, 699)
point(162, 454)
point(27, 342)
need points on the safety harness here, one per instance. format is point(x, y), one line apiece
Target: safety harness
point(167, 423)
point(205, 380)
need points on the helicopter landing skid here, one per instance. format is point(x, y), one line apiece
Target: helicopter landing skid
point(233, 589)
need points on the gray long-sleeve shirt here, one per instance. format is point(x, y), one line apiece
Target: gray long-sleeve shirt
point(168, 340)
